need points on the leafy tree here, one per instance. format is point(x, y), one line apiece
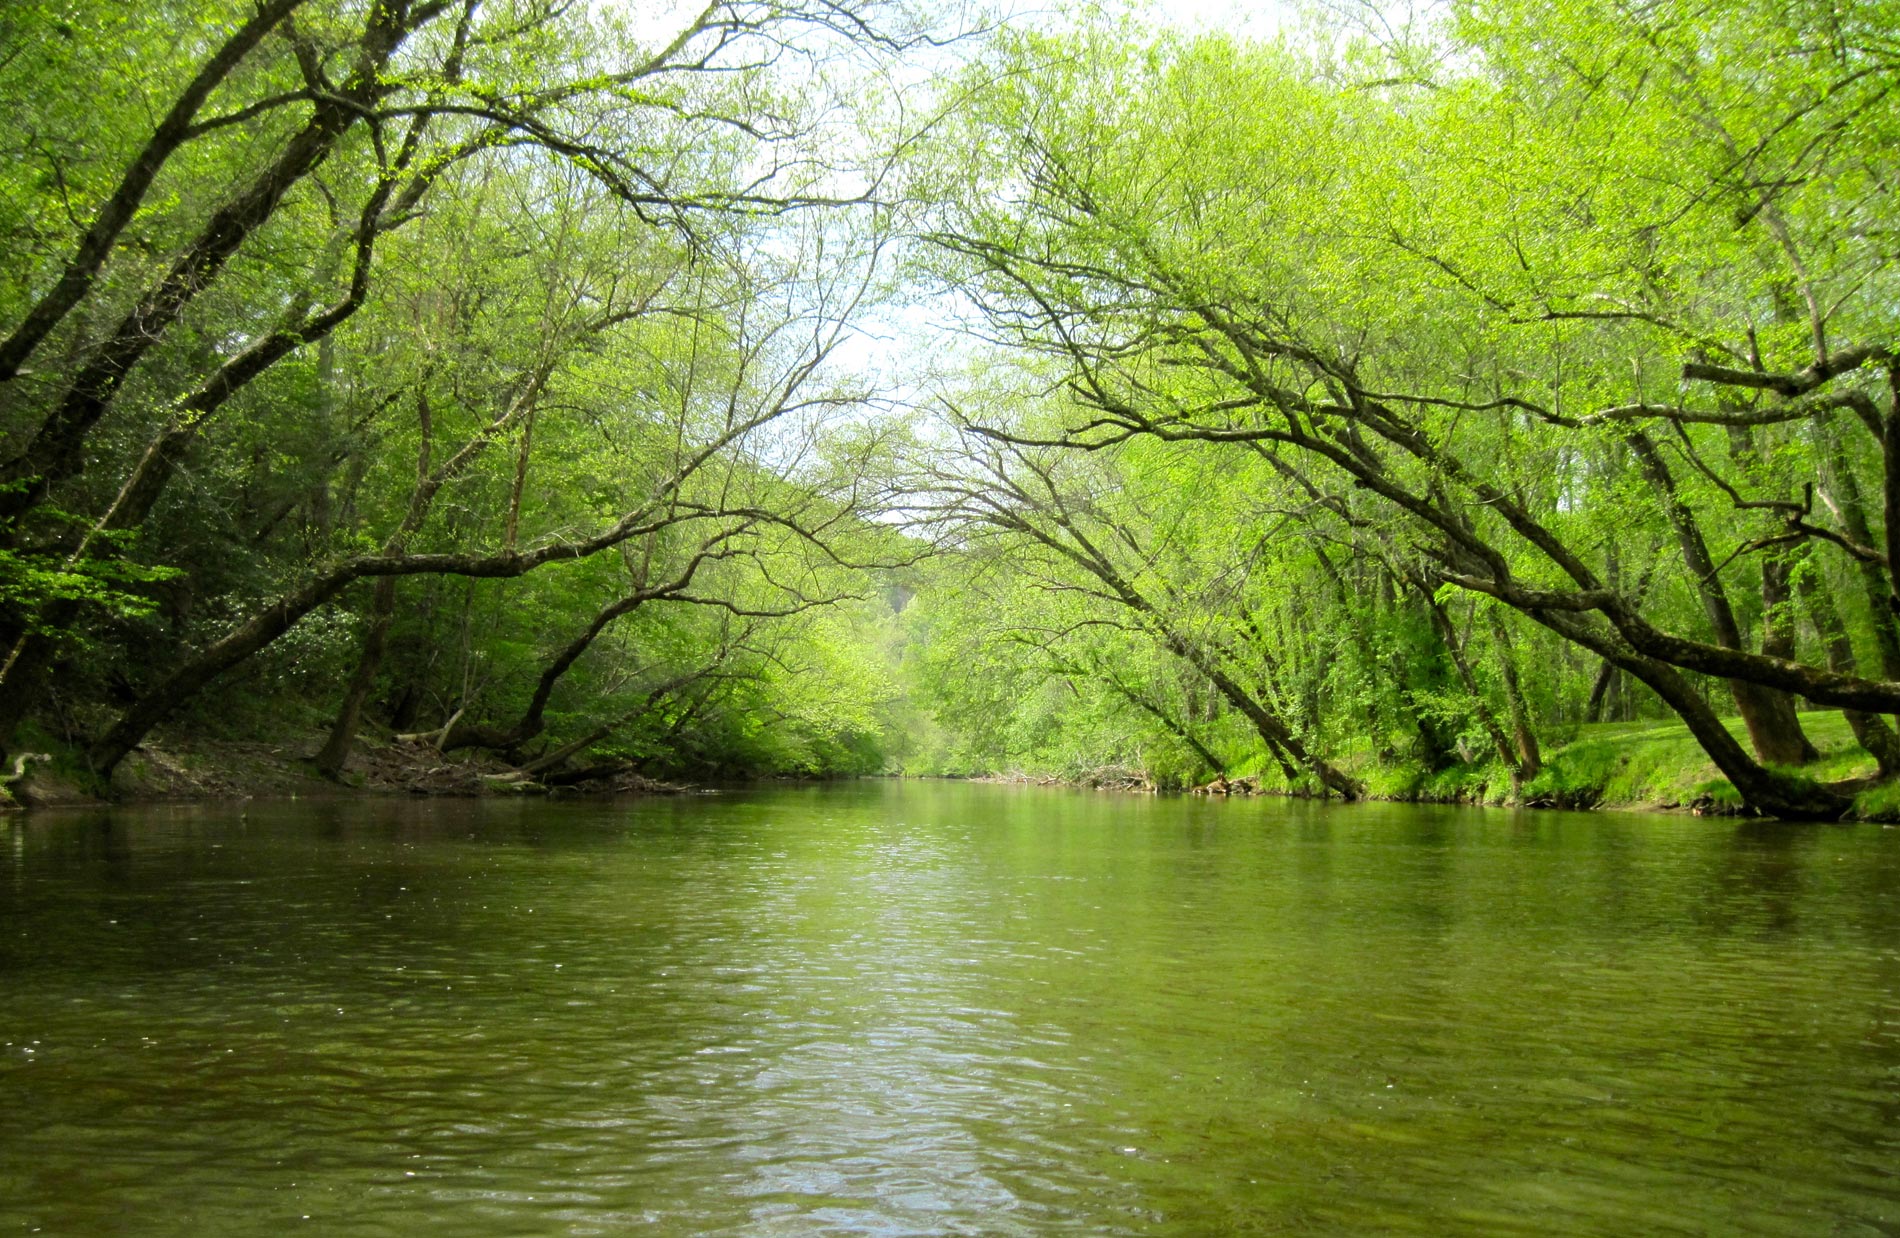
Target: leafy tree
point(1587, 284)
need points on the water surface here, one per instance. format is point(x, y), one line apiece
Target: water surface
point(940, 1009)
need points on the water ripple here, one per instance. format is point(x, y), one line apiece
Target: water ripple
point(895, 1010)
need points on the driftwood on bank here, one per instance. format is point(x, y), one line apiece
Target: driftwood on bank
point(19, 771)
point(1223, 785)
point(428, 773)
point(1102, 778)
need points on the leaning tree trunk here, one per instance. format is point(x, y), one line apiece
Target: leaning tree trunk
point(1271, 729)
point(1872, 730)
point(1845, 493)
point(25, 671)
point(1762, 790)
point(1177, 727)
point(187, 680)
point(118, 211)
point(1768, 713)
point(56, 449)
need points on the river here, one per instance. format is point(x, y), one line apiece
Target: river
point(924, 1008)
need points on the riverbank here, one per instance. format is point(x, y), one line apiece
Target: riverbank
point(1646, 766)
point(179, 767)
point(1631, 766)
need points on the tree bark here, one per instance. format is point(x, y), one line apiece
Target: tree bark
point(1530, 760)
point(1872, 730)
point(1774, 728)
point(336, 748)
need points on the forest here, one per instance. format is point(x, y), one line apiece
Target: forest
point(1381, 405)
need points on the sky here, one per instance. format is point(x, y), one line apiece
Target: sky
point(896, 346)
point(1254, 17)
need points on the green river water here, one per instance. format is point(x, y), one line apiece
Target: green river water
point(917, 1008)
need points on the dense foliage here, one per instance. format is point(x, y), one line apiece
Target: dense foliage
point(1428, 395)
point(463, 366)
point(1318, 408)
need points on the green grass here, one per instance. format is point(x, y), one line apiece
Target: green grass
point(1477, 783)
point(1648, 764)
point(1652, 764)
point(1880, 803)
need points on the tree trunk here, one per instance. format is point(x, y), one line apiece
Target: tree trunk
point(1768, 713)
point(1174, 726)
point(532, 721)
point(1600, 691)
point(281, 615)
point(1845, 493)
point(25, 677)
point(118, 211)
point(24, 674)
point(1890, 468)
point(336, 749)
point(1872, 730)
point(1762, 790)
point(1530, 759)
point(1448, 635)
point(1271, 729)
point(1288, 770)
point(1778, 641)
point(647, 703)
point(56, 451)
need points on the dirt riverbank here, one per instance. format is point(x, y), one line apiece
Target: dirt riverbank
point(186, 768)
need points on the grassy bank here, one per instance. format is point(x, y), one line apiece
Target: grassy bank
point(1630, 765)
